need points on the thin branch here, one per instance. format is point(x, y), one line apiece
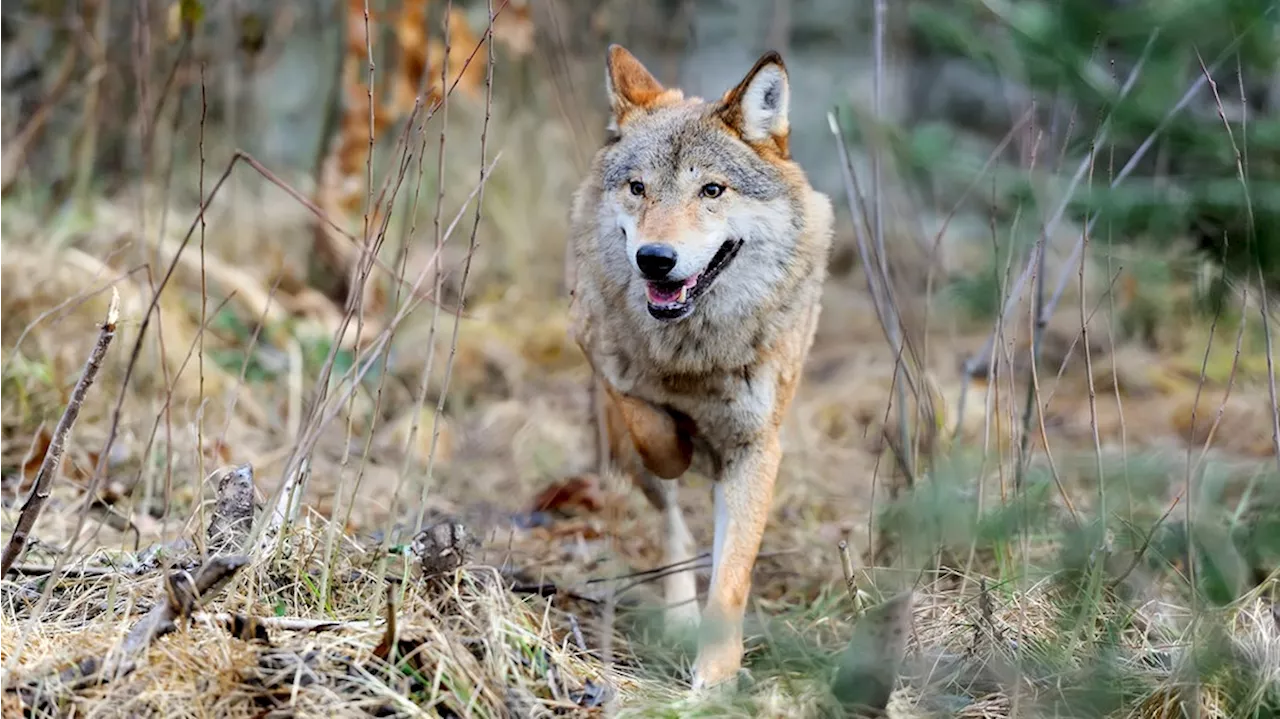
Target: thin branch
point(438, 284)
point(1241, 174)
point(58, 444)
point(1037, 336)
point(877, 188)
point(287, 624)
point(466, 271)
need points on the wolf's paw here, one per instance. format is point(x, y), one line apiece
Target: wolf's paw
point(716, 664)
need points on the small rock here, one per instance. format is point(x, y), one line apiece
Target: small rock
point(233, 514)
point(443, 546)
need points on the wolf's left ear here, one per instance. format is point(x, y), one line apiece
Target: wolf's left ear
point(630, 85)
point(757, 108)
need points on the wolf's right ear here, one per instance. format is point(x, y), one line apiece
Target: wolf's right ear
point(757, 107)
point(630, 85)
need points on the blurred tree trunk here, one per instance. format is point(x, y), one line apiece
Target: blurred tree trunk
point(293, 100)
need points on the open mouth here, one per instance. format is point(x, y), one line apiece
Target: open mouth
point(673, 300)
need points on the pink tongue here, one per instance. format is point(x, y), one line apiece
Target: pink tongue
point(657, 295)
point(660, 295)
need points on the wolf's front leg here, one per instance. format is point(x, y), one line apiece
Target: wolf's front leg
point(743, 495)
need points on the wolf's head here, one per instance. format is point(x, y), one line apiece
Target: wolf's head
point(696, 194)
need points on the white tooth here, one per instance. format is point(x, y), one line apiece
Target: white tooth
point(684, 293)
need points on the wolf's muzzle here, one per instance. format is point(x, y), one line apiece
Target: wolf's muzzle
point(674, 300)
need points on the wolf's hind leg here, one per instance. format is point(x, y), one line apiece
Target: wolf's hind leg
point(680, 583)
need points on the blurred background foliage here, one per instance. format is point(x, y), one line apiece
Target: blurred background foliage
point(1070, 60)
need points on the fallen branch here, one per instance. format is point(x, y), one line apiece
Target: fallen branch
point(286, 624)
point(40, 570)
point(57, 446)
point(184, 594)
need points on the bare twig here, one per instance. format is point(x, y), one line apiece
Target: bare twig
point(1146, 542)
point(355, 374)
point(1136, 157)
point(1085, 163)
point(40, 570)
point(1034, 395)
point(58, 444)
point(204, 307)
point(877, 188)
point(879, 285)
point(850, 579)
point(1206, 74)
point(983, 358)
point(1042, 319)
point(1241, 174)
point(438, 283)
point(320, 214)
point(1037, 335)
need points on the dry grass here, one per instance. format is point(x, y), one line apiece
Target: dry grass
point(464, 645)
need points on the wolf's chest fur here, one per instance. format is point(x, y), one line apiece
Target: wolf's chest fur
point(721, 370)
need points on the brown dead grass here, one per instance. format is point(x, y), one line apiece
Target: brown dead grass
point(466, 646)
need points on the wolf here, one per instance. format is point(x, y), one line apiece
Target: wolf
point(697, 257)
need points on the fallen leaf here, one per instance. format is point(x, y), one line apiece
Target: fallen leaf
point(580, 493)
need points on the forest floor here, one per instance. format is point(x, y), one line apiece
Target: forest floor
point(1008, 610)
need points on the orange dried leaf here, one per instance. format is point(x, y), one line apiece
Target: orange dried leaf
point(581, 493)
point(35, 457)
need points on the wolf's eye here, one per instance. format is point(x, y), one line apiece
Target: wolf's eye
point(637, 188)
point(712, 190)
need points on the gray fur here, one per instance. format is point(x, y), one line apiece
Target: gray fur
point(658, 145)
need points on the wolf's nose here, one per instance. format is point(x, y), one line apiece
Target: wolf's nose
point(656, 261)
